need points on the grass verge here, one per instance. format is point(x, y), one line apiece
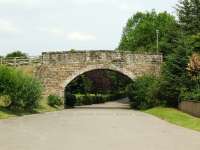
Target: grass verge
point(176, 117)
point(44, 107)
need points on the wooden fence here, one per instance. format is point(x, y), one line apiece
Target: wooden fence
point(20, 61)
point(190, 107)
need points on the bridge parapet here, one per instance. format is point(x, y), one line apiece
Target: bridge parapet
point(98, 57)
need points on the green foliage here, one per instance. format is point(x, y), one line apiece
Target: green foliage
point(188, 14)
point(194, 42)
point(193, 95)
point(177, 41)
point(72, 50)
point(81, 84)
point(142, 93)
point(140, 32)
point(70, 100)
point(16, 54)
point(99, 81)
point(4, 100)
point(54, 100)
point(24, 91)
point(118, 82)
point(177, 83)
point(174, 75)
point(90, 99)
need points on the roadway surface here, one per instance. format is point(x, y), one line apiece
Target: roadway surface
point(110, 126)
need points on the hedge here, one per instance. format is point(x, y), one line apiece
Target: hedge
point(70, 100)
point(90, 99)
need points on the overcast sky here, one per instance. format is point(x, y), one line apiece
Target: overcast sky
point(34, 26)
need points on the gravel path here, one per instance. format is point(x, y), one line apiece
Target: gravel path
point(110, 126)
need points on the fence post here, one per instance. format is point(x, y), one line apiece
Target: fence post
point(41, 60)
point(15, 62)
point(30, 61)
point(1, 61)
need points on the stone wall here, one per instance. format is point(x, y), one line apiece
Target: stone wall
point(58, 69)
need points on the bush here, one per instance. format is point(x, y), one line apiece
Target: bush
point(54, 100)
point(142, 93)
point(86, 100)
point(5, 101)
point(193, 95)
point(90, 99)
point(24, 91)
point(16, 54)
point(70, 100)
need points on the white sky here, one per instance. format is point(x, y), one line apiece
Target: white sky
point(34, 26)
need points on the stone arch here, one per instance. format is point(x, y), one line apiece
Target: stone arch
point(89, 68)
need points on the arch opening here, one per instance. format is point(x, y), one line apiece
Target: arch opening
point(102, 84)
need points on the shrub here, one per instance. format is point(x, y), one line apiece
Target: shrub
point(90, 99)
point(116, 96)
point(85, 100)
point(54, 100)
point(24, 91)
point(5, 100)
point(17, 54)
point(70, 100)
point(193, 95)
point(142, 93)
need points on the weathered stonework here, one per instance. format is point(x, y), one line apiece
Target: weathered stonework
point(58, 69)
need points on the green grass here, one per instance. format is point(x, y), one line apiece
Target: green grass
point(43, 107)
point(176, 117)
point(4, 113)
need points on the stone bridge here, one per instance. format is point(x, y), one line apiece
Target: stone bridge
point(58, 69)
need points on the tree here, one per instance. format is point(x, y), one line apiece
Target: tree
point(174, 75)
point(16, 54)
point(118, 81)
point(82, 84)
point(194, 42)
point(140, 32)
point(189, 16)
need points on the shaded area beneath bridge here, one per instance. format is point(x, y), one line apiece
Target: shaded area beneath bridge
point(96, 87)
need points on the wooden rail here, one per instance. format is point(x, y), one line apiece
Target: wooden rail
point(17, 61)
